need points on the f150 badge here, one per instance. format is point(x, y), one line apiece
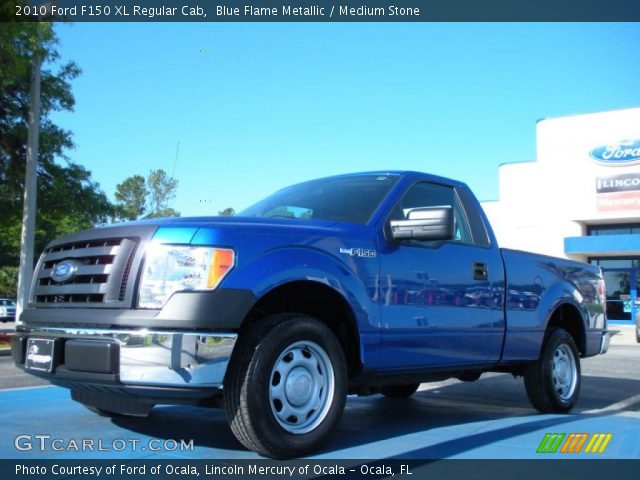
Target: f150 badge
point(359, 252)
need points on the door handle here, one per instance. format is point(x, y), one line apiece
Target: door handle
point(480, 271)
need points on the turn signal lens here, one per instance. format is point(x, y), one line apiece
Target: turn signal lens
point(222, 261)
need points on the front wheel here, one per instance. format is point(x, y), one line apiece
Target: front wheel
point(553, 381)
point(286, 386)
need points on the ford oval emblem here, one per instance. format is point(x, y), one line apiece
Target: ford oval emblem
point(623, 153)
point(64, 271)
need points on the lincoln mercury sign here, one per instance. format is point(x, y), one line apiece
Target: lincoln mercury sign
point(618, 183)
point(618, 192)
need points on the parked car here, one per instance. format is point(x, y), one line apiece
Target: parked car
point(7, 310)
point(357, 284)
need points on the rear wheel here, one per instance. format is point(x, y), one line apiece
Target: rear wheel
point(400, 391)
point(553, 381)
point(286, 386)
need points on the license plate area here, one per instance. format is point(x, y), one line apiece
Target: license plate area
point(40, 354)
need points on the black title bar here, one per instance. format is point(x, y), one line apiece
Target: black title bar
point(160, 469)
point(321, 10)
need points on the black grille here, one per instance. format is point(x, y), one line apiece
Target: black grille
point(85, 244)
point(103, 267)
point(77, 298)
point(125, 274)
point(89, 260)
point(99, 278)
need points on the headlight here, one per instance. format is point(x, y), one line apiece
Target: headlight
point(176, 268)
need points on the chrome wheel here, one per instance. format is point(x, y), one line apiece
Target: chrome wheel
point(301, 387)
point(564, 373)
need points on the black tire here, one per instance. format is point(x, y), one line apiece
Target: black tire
point(399, 391)
point(469, 376)
point(554, 390)
point(285, 364)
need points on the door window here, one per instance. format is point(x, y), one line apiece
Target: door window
point(618, 294)
point(425, 195)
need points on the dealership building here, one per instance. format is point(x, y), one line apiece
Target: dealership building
point(580, 199)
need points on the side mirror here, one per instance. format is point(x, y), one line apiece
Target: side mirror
point(431, 223)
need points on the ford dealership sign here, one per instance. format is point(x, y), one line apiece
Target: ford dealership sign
point(623, 153)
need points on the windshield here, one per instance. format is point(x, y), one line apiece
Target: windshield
point(344, 199)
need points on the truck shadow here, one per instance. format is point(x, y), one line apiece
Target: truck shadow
point(446, 416)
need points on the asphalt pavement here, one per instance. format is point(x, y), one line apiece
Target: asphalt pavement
point(487, 419)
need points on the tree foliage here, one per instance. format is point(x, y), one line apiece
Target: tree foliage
point(68, 198)
point(227, 212)
point(162, 189)
point(135, 196)
point(8, 282)
point(131, 198)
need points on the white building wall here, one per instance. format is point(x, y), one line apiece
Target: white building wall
point(543, 202)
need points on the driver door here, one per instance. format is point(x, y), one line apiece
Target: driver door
point(440, 300)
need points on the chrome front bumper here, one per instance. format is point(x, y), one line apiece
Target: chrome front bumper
point(157, 358)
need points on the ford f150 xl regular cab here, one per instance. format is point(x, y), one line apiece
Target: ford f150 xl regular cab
point(355, 284)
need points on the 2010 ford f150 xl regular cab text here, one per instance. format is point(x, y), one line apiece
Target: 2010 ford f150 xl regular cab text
point(356, 284)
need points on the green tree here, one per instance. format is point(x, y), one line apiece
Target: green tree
point(162, 189)
point(8, 281)
point(227, 212)
point(131, 197)
point(68, 199)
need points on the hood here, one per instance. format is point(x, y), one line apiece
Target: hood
point(214, 230)
point(235, 221)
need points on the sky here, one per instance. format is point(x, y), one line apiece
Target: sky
point(255, 107)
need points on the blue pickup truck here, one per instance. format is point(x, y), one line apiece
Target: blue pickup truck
point(360, 284)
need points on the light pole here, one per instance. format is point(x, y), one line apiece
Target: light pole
point(27, 238)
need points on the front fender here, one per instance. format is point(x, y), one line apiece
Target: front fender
point(280, 266)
